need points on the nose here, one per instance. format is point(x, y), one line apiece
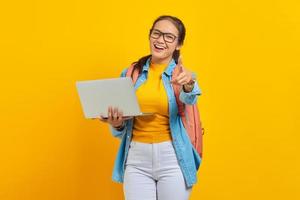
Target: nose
point(160, 39)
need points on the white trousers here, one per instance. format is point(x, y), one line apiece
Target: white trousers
point(152, 172)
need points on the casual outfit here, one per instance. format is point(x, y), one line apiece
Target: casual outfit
point(156, 159)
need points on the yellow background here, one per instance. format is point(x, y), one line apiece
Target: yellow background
point(246, 56)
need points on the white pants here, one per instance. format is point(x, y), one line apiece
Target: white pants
point(152, 172)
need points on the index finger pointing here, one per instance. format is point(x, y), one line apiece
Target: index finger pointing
point(180, 64)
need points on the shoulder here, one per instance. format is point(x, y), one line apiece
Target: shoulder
point(125, 70)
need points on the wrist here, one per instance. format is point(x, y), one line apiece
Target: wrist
point(120, 127)
point(189, 86)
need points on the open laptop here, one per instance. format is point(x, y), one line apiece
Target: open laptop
point(97, 95)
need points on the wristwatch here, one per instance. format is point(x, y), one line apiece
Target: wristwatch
point(188, 87)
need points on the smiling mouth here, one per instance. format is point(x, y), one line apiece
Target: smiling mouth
point(158, 47)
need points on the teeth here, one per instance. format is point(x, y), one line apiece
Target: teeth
point(160, 47)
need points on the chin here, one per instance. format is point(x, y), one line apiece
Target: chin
point(158, 55)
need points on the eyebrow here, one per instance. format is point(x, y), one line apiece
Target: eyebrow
point(163, 32)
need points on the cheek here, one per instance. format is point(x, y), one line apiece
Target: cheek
point(151, 43)
point(151, 40)
point(171, 48)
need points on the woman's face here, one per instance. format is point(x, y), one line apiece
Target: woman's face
point(162, 45)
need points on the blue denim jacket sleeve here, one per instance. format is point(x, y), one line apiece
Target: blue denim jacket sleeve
point(116, 133)
point(190, 97)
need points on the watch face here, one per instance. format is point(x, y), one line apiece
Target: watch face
point(191, 82)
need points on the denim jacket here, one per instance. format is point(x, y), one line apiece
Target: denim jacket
point(188, 158)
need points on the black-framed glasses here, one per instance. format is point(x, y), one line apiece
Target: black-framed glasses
point(168, 37)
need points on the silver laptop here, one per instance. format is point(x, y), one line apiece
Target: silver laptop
point(97, 95)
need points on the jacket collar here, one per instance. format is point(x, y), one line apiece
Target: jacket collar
point(168, 70)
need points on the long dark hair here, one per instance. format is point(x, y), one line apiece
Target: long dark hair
point(138, 65)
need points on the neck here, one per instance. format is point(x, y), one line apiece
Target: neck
point(160, 60)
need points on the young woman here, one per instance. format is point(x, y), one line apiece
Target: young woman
point(156, 160)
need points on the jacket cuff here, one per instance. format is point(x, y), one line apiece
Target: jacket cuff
point(117, 133)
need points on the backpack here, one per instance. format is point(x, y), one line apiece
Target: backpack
point(189, 114)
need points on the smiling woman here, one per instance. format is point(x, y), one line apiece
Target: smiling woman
point(164, 48)
point(156, 159)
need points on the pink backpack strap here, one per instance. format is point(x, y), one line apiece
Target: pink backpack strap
point(131, 70)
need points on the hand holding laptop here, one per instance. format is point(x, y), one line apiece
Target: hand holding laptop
point(115, 117)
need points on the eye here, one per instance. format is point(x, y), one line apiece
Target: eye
point(170, 37)
point(155, 33)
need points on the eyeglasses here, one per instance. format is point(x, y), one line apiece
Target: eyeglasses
point(168, 37)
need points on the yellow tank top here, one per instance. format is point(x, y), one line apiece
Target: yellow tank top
point(152, 97)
